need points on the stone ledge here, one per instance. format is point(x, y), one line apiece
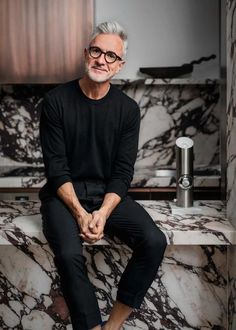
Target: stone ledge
point(205, 224)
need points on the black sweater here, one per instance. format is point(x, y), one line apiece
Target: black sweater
point(82, 138)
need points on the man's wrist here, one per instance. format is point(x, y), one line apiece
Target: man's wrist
point(104, 211)
point(77, 209)
point(111, 200)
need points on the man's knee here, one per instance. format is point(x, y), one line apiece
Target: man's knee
point(66, 258)
point(155, 243)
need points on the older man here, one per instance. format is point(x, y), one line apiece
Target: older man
point(89, 136)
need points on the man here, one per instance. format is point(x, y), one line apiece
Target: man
point(89, 134)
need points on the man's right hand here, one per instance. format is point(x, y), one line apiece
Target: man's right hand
point(83, 221)
point(67, 194)
point(89, 235)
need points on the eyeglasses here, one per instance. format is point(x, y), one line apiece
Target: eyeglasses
point(110, 57)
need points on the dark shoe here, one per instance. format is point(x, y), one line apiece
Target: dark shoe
point(103, 323)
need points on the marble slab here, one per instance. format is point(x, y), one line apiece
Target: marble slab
point(139, 181)
point(231, 110)
point(189, 292)
point(20, 223)
point(232, 287)
point(167, 112)
point(147, 177)
point(166, 81)
point(170, 111)
point(231, 149)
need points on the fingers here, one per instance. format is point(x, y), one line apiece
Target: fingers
point(92, 226)
point(93, 222)
point(91, 236)
point(91, 240)
point(98, 219)
point(84, 222)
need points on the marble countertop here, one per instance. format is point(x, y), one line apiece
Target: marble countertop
point(148, 177)
point(204, 224)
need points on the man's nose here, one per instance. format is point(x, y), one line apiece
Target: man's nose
point(101, 59)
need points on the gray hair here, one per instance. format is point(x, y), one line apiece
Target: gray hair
point(112, 28)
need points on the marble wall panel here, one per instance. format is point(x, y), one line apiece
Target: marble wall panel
point(168, 111)
point(232, 287)
point(189, 292)
point(231, 110)
point(19, 124)
point(231, 148)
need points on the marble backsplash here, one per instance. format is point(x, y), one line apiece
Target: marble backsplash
point(168, 110)
point(19, 124)
point(231, 147)
point(231, 110)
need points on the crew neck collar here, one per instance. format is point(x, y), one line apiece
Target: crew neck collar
point(102, 99)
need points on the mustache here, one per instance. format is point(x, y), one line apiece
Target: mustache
point(87, 68)
point(99, 66)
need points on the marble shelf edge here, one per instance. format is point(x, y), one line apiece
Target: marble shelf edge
point(20, 223)
point(168, 81)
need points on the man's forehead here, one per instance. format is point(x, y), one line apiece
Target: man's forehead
point(109, 41)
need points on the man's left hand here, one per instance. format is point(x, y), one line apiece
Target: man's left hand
point(96, 226)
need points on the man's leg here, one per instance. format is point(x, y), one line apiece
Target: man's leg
point(119, 313)
point(62, 233)
point(133, 226)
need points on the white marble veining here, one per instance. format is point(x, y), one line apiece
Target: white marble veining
point(232, 287)
point(21, 222)
point(169, 109)
point(231, 148)
point(231, 109)
point(189, 292)
point(166, 81)
point(28, 177)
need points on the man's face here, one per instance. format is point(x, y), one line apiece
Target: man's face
point(97, 69)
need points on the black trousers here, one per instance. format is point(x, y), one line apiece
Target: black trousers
point(129, 222)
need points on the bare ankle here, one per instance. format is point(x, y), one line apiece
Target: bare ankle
point(118, 316)
point(111, 326)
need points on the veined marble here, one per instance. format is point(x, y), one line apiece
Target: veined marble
point(170, 111)
point(28, 176)
point(167, 112)
point(231, 147)
point(19, 129)
point(232, 287)
point(189, 292)
point(231, 109)
point(166, 81)
point(204, 224)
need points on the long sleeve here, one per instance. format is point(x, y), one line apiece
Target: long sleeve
point(89, 139)
point(53, 145)
point(123, 169)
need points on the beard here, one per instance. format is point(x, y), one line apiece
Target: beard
point(99, 78)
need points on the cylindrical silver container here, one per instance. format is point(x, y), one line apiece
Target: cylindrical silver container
point(184, 172)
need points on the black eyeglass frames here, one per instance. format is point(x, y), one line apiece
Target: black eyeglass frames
point(110, 57)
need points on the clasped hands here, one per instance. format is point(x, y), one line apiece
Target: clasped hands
point(92, 226)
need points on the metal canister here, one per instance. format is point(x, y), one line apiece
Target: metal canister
point(184, 172)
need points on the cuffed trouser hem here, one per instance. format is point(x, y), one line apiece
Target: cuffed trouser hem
point(126, 298)
point(86, 322)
